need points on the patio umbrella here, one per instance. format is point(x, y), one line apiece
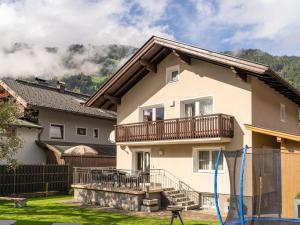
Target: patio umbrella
point(81, 150)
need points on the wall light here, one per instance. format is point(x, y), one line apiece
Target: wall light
point(161, 152)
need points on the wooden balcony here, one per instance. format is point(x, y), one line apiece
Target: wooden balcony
point(199, 127)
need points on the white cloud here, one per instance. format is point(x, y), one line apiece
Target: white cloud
point(257, 19)
point(61, 22)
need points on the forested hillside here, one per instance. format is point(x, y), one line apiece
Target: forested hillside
point(287, 66)
point(107, 59)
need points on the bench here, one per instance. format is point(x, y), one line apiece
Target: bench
point(19, 202)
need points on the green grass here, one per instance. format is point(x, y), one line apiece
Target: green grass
point(45, 211)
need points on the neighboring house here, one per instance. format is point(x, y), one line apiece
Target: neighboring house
point(177, 105)
point(53, 119)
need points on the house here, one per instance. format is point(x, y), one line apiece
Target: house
point(177, 105)
point(53, 120)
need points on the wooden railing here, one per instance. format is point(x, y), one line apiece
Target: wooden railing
point(208, 126)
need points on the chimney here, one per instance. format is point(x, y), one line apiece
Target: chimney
point(61, 86)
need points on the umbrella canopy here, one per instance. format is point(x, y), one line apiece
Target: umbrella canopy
point(81, 150)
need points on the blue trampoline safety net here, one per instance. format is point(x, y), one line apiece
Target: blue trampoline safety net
point(264, 187)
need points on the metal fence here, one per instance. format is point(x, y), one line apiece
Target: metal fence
point(112, 179)
point(120, 179)
point(33, 178)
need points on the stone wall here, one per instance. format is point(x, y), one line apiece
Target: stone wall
point(120, 200)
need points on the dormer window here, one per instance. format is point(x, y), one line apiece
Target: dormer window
point(175, 76)
point(172, 73)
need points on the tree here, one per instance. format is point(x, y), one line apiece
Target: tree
point(9, 142)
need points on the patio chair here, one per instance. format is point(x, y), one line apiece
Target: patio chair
point(7, 222)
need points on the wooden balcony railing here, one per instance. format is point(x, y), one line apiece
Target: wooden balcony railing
point(208, 126)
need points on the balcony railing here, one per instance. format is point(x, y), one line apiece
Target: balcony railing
point(208, 126)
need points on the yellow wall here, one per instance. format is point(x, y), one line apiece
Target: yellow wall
point(290, 175)
point(266, 109)
point(231, 95)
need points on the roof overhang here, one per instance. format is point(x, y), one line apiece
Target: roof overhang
point(156, 49)
point(275, 133)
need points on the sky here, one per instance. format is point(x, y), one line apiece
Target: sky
point(270, 25)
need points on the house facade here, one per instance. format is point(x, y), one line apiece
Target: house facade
point(53, 119)
point(178, 105)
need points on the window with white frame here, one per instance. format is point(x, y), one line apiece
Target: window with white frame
point(81, 131)
point(56, 131)
point(172, 73)
point(282, 113)
point(153, 113)
point(205, 160)
point(197, 107)
point(208, 201)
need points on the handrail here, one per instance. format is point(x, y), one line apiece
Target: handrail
point(180, 118)
point(207, 126)
point(123, 179)
point(178, 184)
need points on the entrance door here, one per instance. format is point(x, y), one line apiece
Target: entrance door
point(143, 161)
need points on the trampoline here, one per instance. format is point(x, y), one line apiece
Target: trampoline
point(259, 187)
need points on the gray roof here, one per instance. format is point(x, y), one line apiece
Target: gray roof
point(43, 96)
point(24, 123)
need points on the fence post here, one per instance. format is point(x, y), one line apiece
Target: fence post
point(68, 177)
point(15, 180)
point(44, 177)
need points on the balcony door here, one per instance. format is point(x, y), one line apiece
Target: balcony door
point(142, 161)
point(153, 114)
point(154, 117)
point(198, 107)
point(190, 109)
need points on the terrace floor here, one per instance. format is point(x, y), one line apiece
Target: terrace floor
point(46, 210)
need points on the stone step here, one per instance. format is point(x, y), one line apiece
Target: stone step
point(169, 189)
point(182, 199)
point(177, 195)
point(172, 192)
point(191, 207)
point(186, 203)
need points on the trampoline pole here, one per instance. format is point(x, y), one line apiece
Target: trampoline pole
point(241, 185)
point(216, 187)
point(260, 193)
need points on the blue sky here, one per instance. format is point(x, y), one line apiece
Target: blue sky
point(270, 25)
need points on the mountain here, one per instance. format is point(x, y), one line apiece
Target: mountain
point(85, 68)
point(82, 67)
point(287, 66)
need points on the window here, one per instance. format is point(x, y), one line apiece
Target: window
point(81, 131)
point(198, 107)
point(96, 133)
point(172, 73)
point(153, 114)
point(56, 131)
point(282, 113)
point(205, 160)
point(174, 76)
point(208, 201)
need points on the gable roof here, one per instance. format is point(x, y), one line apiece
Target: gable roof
point(157, 48)
point(31, 94)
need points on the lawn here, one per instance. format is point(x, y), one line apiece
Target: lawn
point(45, 211)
